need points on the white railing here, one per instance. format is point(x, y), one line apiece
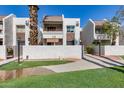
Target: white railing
point(1, 27)
point(102, 36)
point(52, 32)
point(20, 30)
point(1, 34)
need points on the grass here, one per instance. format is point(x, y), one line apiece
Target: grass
point(103, 78)
point(122, 57)
point(27, 64)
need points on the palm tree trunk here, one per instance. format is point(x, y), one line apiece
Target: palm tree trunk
point(33, 24)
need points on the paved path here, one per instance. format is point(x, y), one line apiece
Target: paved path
point(7, 61)
point(89, 62)
point(12, 74)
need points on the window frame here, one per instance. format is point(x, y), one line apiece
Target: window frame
point(70, 28)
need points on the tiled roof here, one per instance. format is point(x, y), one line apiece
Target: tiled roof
point(1, 17)
point(52, 18)
point(99, 23)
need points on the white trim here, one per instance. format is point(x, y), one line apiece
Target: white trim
point(94, 26)
point(9, 16)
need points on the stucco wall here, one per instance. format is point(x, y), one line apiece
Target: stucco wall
point(114, 50)
point(51, 52)
point(8, 30)
point(2, 52)
point(20, 21)
point(111, 50)
point(96, 50)
point(72, 21)
point(121, 37)
point(87, 35)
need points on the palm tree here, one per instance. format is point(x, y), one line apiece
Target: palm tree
point(33, 24)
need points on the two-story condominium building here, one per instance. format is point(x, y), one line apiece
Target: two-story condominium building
point(12, 29)
point(58, 30)
point(92, 33)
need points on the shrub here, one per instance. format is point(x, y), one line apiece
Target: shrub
point(90, 49)
point(10, 51)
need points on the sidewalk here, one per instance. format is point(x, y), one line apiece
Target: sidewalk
point(7, 61)
point(89, 62)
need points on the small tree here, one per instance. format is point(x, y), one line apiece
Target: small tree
point(111, 28)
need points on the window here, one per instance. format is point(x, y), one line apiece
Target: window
point(1, 22)
point(70, 42)
point(70, 28)
point(0, 31)
point(77, 23)
point(20, 28)
point(1, 41)
point(51, 28)
point(99, 31)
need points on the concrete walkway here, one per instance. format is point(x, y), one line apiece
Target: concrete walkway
point(89, 62)
point(7, 61)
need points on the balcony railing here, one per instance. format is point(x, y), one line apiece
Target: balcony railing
point(52, 32)
point(1, 32)
point(20, 30)
point(1, 35)
point(102, 37)
point(1, 27)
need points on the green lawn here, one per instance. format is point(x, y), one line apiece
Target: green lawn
point(104, 77)
point(27, 64)
point(122, 57)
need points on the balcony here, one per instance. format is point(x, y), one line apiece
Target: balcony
point(1, 35)
point(20, 28)
point(102, 37)
point(53, 34)
point(1, 27)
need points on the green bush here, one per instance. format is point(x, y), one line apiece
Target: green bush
point(10, 51)
point(90, 49)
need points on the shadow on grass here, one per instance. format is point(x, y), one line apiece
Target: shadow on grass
point(119, 69)
point(114, 63)
point(112, 60)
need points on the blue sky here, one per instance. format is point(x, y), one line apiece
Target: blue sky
point(84, 12)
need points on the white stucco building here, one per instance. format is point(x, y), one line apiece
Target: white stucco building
point(92, 33)
point(14, 28)
point(58, 30)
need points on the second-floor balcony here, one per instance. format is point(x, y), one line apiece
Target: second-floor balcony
point(53, 30)
point(102, 37)
point(1, 27)
point(1, 33)
point(52, 34)
point(20, 30)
